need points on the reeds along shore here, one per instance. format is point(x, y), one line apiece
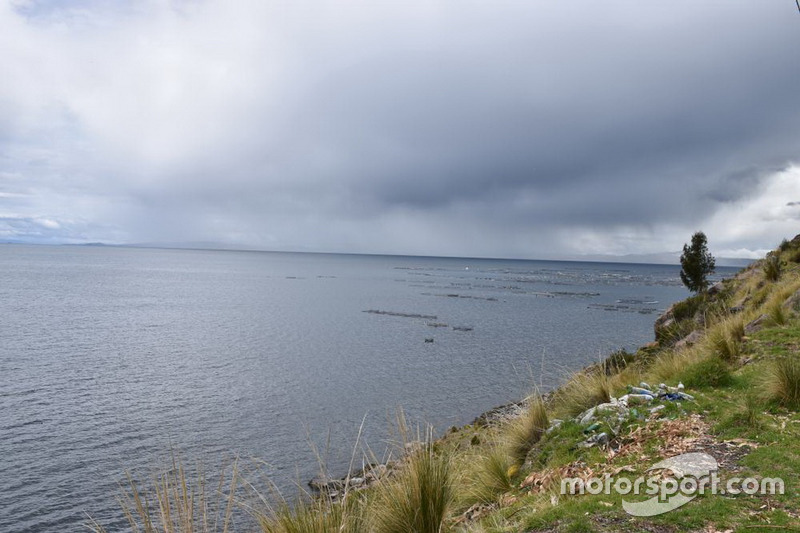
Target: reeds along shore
point(734, 348)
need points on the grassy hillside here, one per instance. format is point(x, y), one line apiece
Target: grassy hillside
point(735, 350)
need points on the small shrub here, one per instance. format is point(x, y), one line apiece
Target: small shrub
point(419, 498)
point(772, 267)
point(617, 361)
point(784, 245)
point(669, 335)
point(708, 372)
point(782, 382)
point(525, 432)
point(688, 308)
point(793, 256)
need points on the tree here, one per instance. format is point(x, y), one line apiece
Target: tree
point(696, 264)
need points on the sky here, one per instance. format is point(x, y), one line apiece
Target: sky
point(526, 129)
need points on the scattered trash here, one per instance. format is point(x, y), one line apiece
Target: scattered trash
point(554, 424)
point(637, 399)
point(594, 440)
point(613, 413)
point(592, 428)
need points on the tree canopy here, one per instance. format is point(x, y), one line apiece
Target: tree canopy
point(697, 263)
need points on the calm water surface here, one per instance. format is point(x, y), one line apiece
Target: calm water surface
point(110, 357)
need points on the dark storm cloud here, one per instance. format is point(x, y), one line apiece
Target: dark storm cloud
point(372, 128)
point(430, 131)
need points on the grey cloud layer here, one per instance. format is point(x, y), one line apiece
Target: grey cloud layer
point(366, 128)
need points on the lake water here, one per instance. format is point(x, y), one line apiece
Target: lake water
point(112, 357)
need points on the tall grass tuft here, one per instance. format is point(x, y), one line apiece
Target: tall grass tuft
point(725, 339)
point(751, 412)
point(782, 382)
point(419, 498)
point(777, 313)
point(583, 390)
point(668, 365)
point(492, 475)
point(522, 434)
point(318, 516)
point(178, 501)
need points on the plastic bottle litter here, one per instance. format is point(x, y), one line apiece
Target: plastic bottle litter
point(636, 399)
point(593, 427)
point(676, 396)
point(618, 409)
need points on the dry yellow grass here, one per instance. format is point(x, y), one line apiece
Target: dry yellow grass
point(522, 434)
point(419, 498)
point(725, 337)
point(179, 501)
point(781, 382)
point(669, 365)
point(491, 474)
point(582, 390)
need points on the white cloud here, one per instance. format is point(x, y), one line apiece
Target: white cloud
point(47, 223)
point(763, 218)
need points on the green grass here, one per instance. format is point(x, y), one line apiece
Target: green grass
point(748, 419)
point(710, 371)
point(669, 335)
point(688, 308)
point(560, 446)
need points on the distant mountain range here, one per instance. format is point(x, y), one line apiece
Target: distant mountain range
point(665, 258)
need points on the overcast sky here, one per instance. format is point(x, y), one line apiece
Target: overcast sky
point(505, 129)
